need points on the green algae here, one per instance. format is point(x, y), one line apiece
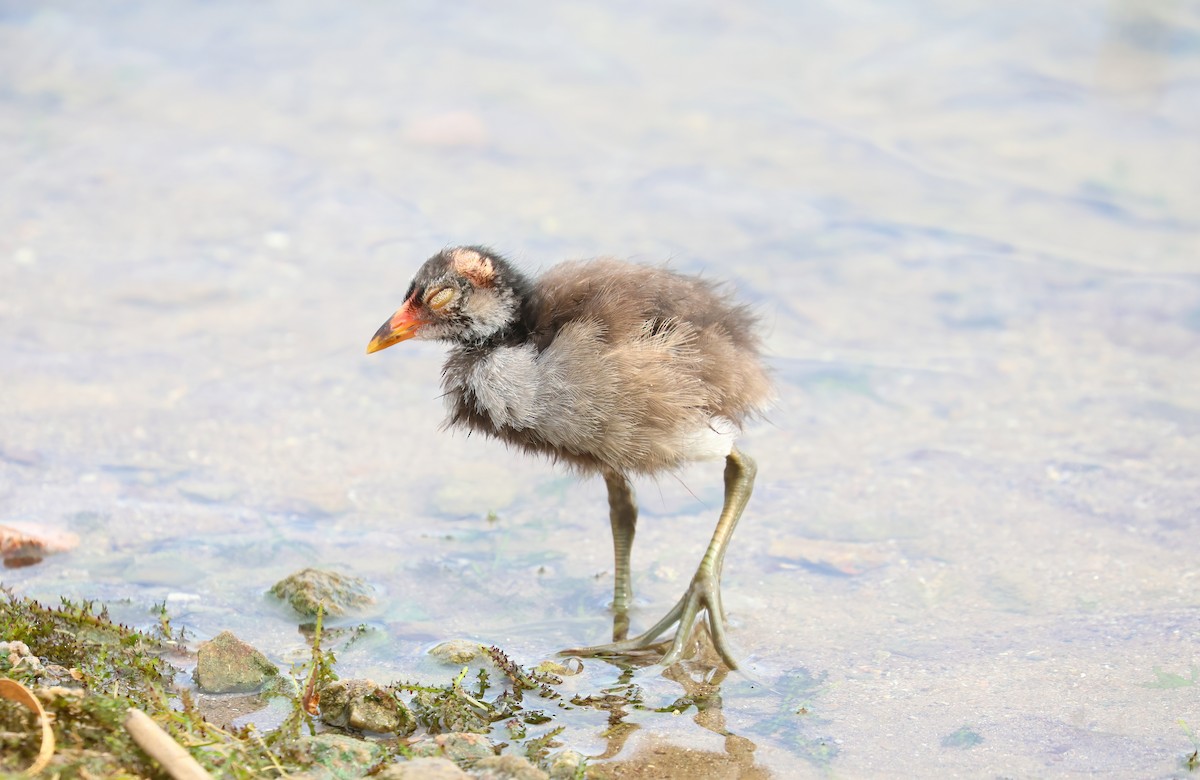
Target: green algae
point(90, 670)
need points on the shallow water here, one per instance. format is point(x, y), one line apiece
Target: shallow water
point(974, 234)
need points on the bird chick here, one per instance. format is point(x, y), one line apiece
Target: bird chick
point(610, 367)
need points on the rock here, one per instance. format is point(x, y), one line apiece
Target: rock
point(340, 594)
point(364, 705)
point(16, 654)
point(423, 769)
point(26, 545)
point(565, 765)
point(506, 768)
point(458, 651)
point(458, 746)
point(336, 756)
point(226, 664)
point(572, 667)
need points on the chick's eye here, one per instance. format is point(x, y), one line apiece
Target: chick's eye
point(439, 298)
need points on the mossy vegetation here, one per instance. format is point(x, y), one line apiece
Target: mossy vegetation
point(88, 671)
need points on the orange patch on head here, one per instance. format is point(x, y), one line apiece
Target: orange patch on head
point(474, 266)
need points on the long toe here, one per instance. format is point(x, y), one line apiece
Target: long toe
point(634, 646)
point(702, 596)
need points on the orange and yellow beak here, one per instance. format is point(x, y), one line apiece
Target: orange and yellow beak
point(403, 325)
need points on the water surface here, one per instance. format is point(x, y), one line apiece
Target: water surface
point(972, 231)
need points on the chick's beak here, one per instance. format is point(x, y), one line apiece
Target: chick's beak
point(403, 325)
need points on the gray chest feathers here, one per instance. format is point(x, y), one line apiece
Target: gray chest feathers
point(643, 405)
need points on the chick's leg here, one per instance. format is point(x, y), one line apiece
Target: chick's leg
point(704, 592)
point(622, 513)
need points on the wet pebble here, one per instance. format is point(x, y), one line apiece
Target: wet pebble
point(364, 705)
point(226, 664)
point(340, 594)
point(423, 769)
point(16, 654)
point(335, 756)
point(570, 668)
point(458, 746)
point(565, 765)
point(507, 768)
point(458, 651)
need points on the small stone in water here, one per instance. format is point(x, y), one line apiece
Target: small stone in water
point(364, 705)
point(226, 664)
point(458, 651)
point(423, 769)
point(308, 589)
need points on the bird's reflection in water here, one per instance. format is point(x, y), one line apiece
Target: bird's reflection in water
point(701, 677)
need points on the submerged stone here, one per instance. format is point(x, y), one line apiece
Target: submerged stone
point(458, 651)
point(226, 664)
point(458, 746)
point(364, 705)
point(572, 667)
point(566, 765)
point(507, 768)
point(336, 755)
point(308, 589)
point(423, 769)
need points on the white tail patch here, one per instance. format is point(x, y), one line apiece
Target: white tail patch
point(710, 442)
